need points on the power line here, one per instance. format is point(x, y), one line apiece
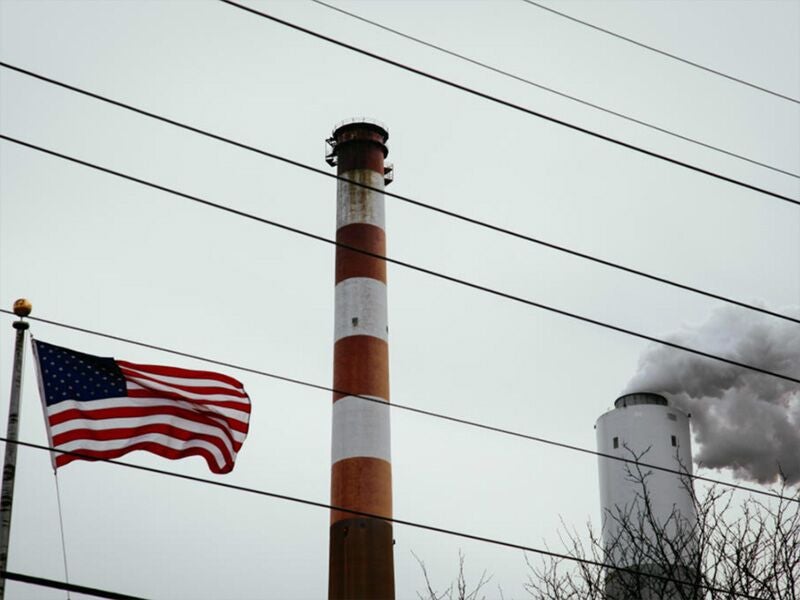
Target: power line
point(407, 408)
point(527, 81)
point(61, 585)
point(401, 263)
point(508, 104)
point(662, 52)
point(368, 515)
point(406, 199)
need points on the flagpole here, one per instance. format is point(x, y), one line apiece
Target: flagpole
point(22, 308)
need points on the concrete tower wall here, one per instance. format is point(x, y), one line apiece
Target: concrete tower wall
point(645, 426)
point(361, 553)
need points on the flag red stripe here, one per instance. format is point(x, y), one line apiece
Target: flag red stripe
point(158, 394)
point(196, 389)
point(127, 412)
point(178, 372)
point(155, 448)
point(104, 435)
point(201, 406)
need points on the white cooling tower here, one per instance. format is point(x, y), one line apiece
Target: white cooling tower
point(644, 426)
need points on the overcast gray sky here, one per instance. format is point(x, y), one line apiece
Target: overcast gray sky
point(98, 252)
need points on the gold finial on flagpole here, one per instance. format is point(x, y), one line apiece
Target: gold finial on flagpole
point(22, 307)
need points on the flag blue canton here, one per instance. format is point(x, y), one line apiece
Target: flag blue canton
point(70, 375)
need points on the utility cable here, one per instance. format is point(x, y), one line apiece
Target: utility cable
point(662, 52)
point(406, 199)
point(368, 515)
point(404, 264)
point(411, 409)
point(527, 81)
point(507, 103)
point(61, 585)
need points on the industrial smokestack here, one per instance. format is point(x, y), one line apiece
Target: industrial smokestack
point(743, 420)
point(361, 555)
point(648, 515)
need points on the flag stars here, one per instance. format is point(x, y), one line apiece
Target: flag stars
point(75, 376)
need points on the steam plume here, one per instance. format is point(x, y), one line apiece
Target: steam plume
point(742, 420)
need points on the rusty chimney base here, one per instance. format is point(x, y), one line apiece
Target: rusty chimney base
point(361, 560)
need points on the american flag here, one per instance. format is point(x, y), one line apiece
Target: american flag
point(104, 408)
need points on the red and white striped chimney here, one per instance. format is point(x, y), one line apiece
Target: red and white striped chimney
point(361, 554)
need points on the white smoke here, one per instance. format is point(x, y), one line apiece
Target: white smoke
point(743, 420)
